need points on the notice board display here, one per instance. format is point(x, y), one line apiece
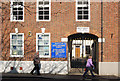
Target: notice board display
point(58, 50)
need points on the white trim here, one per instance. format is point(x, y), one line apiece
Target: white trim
point(42, 56)
point(43, 6)
point(22, 45)
point(82, 6)
point(11, 13)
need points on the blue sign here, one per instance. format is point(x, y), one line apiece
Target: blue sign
point(58, 50)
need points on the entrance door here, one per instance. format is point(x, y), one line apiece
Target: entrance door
point(77, 51)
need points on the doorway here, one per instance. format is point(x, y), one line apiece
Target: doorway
point(80, 47)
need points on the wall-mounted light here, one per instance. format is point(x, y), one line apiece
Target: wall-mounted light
point(16, 30)
point(29, 33)
point(111, 35)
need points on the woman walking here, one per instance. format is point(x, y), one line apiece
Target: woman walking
point(89, 66)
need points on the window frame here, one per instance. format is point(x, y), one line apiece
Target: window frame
point(12, 45)
point(37, 12)
point(88, 12)
point(43, 56)
point(11, 8)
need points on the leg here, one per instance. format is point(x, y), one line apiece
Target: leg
point(33, 70)
point(85, 72)
point(37, 68)
point(92, 73)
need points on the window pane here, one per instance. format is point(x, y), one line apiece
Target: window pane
point(46, 12)
point(20, 13)
point(79, 2)
point(40, 8)
point(19, 41)
point(79, 17)
point(20, 8)
point(14, 12)
point(46, 17)
point(79, 7)
point(86, 17)
point(86, 2)
point(40, 17)
point(20, 17)
point(20, 52)
point(14, 52)
point(14, 8)
point(40, 12)
point(85, 12)
point(20, 3)
point(41, 3)
point(14, 37)
point(79, 12)
point(19, 36)
point(46, 8)
point(46, 3)
point(85, 7)
point(14, 3)
point(14, 41)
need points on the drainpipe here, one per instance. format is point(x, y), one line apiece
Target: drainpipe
point(101, 30)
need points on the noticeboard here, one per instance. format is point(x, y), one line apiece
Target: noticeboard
point(58, 50)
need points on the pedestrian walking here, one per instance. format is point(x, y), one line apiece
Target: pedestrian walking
point(89, 67)
point(36, 61)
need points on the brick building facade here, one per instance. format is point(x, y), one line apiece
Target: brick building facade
point(62, 24)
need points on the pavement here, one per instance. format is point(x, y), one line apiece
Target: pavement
point(58, 76)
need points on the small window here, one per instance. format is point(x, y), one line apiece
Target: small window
point(17, 10)
point(43, 44)
point(16, 45)
point(43, 10)
point(87, 49)
point(82, 10)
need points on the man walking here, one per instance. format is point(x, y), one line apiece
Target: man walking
point(89, 66)
point(36, 63)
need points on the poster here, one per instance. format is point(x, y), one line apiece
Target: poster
point(58, 50)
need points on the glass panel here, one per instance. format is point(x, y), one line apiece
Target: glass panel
point(79, 17)
point(20, 17)
point(20, 13)
point(41, 53)
point(14, 41)
point(14, 37)
point(40, 48)
point(20, 52)
point(46, 42)
point(85, 16)
point(85, 12)
point(40, 17)
point(46, 3)
point(19, 36)
point(46, 17)
point(46, 53)
point(40, 2)
point(19, 41)
point(14, 3)
point(46, 49)
point(14, 12)
point(46, 8)
point(14, 52)
point(40, 8)
point(19, 47)
point(14, 47)
point(40, 42)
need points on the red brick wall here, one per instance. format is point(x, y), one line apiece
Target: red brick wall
point(63, 24)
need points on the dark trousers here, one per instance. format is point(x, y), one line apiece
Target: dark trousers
point(87, 69)
point(36, 68)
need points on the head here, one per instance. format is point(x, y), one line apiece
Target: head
point(37, 54)
point(90, 57)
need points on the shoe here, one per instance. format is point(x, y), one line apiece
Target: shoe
point(31, 73)
point(84, 77)
point(38, 74)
